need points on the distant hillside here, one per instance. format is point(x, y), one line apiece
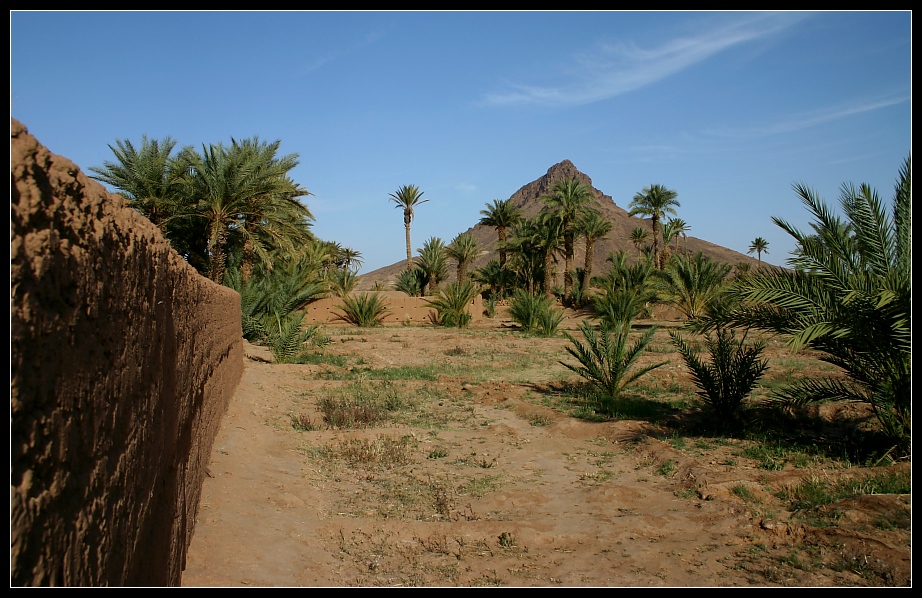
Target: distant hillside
point(528, 200)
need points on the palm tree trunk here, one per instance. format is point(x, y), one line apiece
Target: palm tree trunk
point(406, 225)
point(548, 267)
point(218, 258)
point(568, 264)
point(587, 265)
point(501, 235)
point(246, 264)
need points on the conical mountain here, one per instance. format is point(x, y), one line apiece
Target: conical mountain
point(528, 200)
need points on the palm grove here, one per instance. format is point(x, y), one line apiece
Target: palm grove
point(233, 212)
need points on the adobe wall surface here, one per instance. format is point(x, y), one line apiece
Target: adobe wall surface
point(122, 362)
point(401, 309)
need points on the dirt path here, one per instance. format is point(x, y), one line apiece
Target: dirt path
point(482, 485)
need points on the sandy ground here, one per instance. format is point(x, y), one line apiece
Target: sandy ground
point(483, 482)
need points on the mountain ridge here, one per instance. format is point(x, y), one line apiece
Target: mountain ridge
point(528, 199)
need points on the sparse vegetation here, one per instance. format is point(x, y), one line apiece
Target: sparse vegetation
point(606, 361)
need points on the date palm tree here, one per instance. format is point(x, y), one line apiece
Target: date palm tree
point(232, 188)
point(639, 237)
point(407, 198)
point(567, 200)
point(433, 262)
point(681, 229)
point(275, 217)
point(350, 258)
point(148, 177)
point(758, 246)
point(526, 260)
point(655, 201)
point(548, 237)
point(502, 216)
point(848, 295)
point(464, 249)
point(593, 226)
point(690, 283)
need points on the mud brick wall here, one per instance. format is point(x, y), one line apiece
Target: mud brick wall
point(122, 362)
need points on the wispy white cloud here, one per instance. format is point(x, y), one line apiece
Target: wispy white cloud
point(609, 70)
point(807, 120)
point(316, 62)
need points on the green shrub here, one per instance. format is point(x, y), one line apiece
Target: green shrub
point(605, 359)
point(549, 321)
point(534, 313)
point(452, 304)
point(363, 309)
point(732, 373)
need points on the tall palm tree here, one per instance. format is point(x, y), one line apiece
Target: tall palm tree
point(464, 249)
point(655, 202)
point(275, 217)
point(548, 238)
point(408, 197)
point(502, 216)
point(567, 200)
point(593, 226)
point(230, 190)
point(525, 257)
point(758, 246)
point(639, 237)
point(849, 296)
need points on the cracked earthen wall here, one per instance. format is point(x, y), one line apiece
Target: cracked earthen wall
point(122, 362)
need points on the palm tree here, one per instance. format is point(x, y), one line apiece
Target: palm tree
point(351, 259)
point(275, 217)
point(495, 277)
point(464, 249)
point(691, 283)
point(593, 226)
point(849, 296)
point(502, 215)
point(625, 291)
point(147, 177)
point(654, 201)
point(151, 179)
point(758, 246)
point(408, 197)
point(434, 264)
point(230, 189)
point(681, 228)
point(567, 200)
point(670, 232)
point(639, 237)
point(548, 237)
point(525, 257)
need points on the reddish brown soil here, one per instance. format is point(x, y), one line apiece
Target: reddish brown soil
point(498, 484)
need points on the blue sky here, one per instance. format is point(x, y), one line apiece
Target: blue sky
point(729, 109)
